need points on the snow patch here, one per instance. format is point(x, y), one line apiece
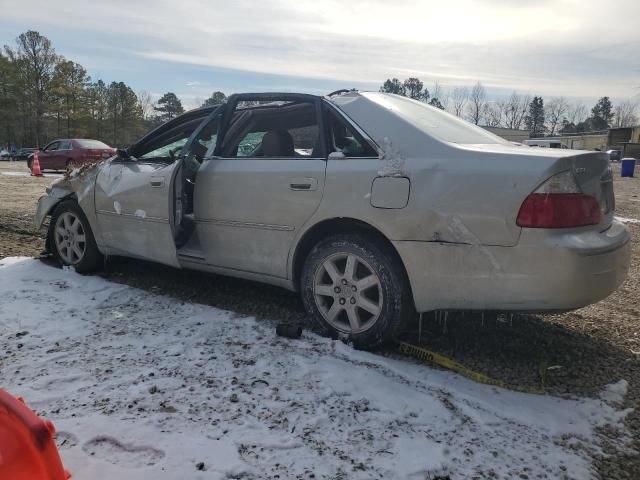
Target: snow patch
point(614, 393)
point(140, 213)
point(142, 386)
point(12, 260)
point(627, 220)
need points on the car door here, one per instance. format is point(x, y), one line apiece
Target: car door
point(248, 206)
point(134, 193)
point(47, 157)
point(62, 155)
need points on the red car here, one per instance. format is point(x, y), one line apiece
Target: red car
point(60, 154)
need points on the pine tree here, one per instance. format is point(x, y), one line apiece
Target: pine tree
point(97, 108)
point(9, 131)
point(35, 60)
point(393, 85)
point(169, 106)
point(434, 102)
point(413, 88)
point(216, 98)
point(68, 97)
point(535, 118)
point(601, 114)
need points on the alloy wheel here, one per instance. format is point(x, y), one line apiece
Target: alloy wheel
point(70, 238)
point(348, 293)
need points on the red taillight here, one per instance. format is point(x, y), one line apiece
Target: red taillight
point(558, 210)
point(559, 203)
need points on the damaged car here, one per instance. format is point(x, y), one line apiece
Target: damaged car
point(373, 206)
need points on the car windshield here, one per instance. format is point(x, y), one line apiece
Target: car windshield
point(433, 121)
point(91, 144)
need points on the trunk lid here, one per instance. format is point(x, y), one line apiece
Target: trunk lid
point(592, 172)
point(98, 153)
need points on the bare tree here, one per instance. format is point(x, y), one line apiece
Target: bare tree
point(493, 113)
point(459, 98)
point(521, 111)
point(555, 110)
point(146, 103)
point(512, 110)
point(626, 114)
point(477, 102)
point(576, 113)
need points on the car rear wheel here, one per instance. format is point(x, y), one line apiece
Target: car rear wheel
point(355, 288)
point(71, 239)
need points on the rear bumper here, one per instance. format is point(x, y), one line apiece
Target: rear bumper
point(547, 271)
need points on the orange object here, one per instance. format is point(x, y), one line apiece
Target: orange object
point(27, 449)
point(35, 166)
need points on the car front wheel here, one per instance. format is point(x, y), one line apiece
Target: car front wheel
point(355, 288)
point(71, 239)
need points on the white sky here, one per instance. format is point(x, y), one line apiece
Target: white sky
point(566, 47)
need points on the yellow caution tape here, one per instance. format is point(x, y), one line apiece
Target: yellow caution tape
point(435, 358)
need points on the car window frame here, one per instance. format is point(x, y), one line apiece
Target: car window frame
point(217, 112)
point(164, 129)
point(361, 135)
point(47, 148)
point(231, 107)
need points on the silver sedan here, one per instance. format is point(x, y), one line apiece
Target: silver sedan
point(372, 206)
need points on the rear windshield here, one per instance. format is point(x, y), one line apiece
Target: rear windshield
point(433, 121)
point(91, 144)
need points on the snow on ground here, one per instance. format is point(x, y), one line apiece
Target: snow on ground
point(142, 386)
point(627, 220)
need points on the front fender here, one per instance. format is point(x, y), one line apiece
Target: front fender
point(46, 204)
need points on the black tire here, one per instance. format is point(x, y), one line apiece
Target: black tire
point(91, 259)
point(392, 290)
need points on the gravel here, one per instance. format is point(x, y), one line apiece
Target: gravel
point(571, 354)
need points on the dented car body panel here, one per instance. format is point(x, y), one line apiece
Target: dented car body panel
point(444, 194)
point(133, 205)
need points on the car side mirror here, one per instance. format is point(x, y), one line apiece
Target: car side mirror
point(336, 155)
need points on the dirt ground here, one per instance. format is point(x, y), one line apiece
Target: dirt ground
point(586, 349)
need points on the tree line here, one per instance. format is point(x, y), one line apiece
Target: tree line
point(520, 112)
point(44, 96)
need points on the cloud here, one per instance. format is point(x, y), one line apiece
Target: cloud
point(564, 47)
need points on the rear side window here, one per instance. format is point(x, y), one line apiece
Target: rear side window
point(91, 144)
point(65, 145)
point(344, 138)
point(274, 129)
point(433, 121)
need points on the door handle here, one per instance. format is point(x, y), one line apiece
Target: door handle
point(157, 182)
point(304, 184)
